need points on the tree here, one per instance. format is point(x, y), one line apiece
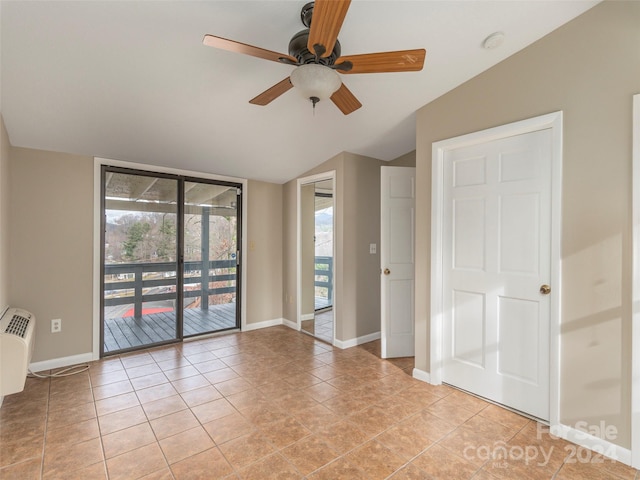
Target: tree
point(136, 235)
point(167, 243)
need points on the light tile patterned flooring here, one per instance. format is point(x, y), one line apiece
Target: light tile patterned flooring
point(271, 404)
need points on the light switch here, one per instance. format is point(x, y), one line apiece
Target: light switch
point(372, 248)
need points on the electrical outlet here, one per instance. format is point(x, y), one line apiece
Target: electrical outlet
point(56, 325)
point(372, 248)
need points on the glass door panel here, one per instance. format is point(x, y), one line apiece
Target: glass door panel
point(140, 260)
point(323, 300)
point(210, 258)
point(316, 257)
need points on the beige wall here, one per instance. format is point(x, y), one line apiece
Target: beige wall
point(406, 160)
point(361, 228)
point(51, 248)
point(357, 220)
point(51, 244)
point(264, 258)
point(4, 215)
point(589, 69)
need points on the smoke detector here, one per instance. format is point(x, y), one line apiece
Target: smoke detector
point(493, 41)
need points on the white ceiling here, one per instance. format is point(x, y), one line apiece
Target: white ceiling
point(132, 81)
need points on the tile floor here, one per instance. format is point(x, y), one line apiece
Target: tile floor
point(272, 404)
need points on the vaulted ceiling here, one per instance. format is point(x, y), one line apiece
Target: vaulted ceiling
point(131, 80)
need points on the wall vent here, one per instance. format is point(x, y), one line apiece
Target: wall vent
point(18, 325)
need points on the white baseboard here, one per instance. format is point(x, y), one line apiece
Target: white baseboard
point(307, 316)
point(61, 362)
point(290, 324)
point(421, 375)
point(353, 342)
point(595, 444)
point(265, 324)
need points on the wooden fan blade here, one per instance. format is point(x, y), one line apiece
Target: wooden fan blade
point(345, 100)
point(326, 22)
point(238, 47)
point(399, 61)
point(272, 93)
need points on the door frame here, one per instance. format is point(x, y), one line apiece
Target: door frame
point(178, 320)
point(635, 287)
point(551, 121)
point(97, 222)
point(319, 177)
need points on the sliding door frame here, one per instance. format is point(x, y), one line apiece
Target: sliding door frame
point(164, 172)
point(104, 169)
point(239, 248)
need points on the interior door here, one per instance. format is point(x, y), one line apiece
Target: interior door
point(496, 267)
point(397, 223)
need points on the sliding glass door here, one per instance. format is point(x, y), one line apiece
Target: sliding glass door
point(210, 257)
point(170, 258)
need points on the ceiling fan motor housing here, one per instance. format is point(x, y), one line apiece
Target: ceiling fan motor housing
point(298, 49)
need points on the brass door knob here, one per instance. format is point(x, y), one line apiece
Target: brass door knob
point(545, 289)
point(387, 271)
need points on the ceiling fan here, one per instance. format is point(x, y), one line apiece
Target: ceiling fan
point(316, 54)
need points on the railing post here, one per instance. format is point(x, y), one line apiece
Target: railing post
point(330, 280)
point(137, 296)
point(204, 267)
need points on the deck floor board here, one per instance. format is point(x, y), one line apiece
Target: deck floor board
point(127, 332)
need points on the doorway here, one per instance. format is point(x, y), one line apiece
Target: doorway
point(495, 264)
point(170, 258)
point(316, 201)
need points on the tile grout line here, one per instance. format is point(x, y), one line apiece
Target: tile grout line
point(46, 427)
point(95, 408)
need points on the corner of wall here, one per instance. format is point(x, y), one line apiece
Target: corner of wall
point(5, 149)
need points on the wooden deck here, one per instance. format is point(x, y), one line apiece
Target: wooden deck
point(127, 332)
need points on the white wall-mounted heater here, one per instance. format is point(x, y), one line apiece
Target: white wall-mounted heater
point(17, 335)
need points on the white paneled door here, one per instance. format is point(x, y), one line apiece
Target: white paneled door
point(497, 270)
point(397, 221)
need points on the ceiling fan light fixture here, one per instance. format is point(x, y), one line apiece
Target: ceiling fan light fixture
point(315, 82)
